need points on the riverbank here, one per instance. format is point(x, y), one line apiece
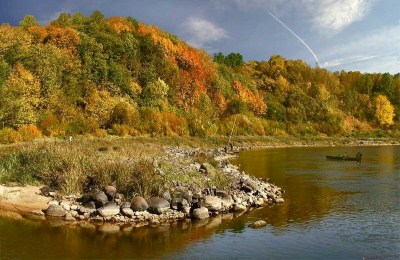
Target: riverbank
point(171, 182)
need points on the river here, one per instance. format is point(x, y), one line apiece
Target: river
point(332, 210)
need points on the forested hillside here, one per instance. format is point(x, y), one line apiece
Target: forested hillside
point(98, 76)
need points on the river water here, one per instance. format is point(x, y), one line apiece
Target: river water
point(332, 210)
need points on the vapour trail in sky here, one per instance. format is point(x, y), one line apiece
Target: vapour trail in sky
point(298, 37)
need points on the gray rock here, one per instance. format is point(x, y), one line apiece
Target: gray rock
point(109, 210)
point(127, 212)
point(66, 205)
point(100, 198)
point(87, 197)
point(212, 203)
point(88, 207)
point(166, 195)
point(110, 191)
point(252, 184)
point(200, 213)
point(227, 201)
point(125, 204)
point(239, 207)
point(258, 224)
point(179, 203)
point(158, 205)
point(55, 211)
point(139, 204)
point(53, 202)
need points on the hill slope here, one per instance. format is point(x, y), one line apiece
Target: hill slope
point(97, 75)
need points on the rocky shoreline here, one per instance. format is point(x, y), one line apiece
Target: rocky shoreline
point(181, 201)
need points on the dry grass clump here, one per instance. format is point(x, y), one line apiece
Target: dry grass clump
point(79, 167)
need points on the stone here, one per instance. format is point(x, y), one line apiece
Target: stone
point(227, 201)
point(252, 184)
point(158, 205)
point(66, 205)
point(179, 203)
point(167, 195)
point(100, 199)
point(110, 191)
point(200, 213)
point(125, 204)
point(88, 207)
point(108, 210)
point(74, 207)
point(38, 212)
point(46, 191)
point(138, 203)
point(239, 207)
point(53, 202)
point(87, 197)
point(127, 212)
point(55, 211)
point(258, 224)
point(212, 203)
point(279, 200)
point(69, 217)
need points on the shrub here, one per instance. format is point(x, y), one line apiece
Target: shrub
point(29, 132)
point(9, 135)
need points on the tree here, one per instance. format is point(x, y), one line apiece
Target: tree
point(384, 111)
point(28, 21)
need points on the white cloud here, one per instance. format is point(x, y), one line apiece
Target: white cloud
point(335, 15)
point(331, 15)
point(364, 51)
point(202, 32)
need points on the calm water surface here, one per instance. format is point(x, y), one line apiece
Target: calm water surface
point(336, 210)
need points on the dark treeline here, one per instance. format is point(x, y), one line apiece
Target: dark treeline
point(99, 76)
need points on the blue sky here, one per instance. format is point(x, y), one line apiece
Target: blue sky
point(361, 35)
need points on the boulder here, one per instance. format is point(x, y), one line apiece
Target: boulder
point(167, 195)
point(110, 191)
point(127, 212)
point(178, 203)
point(55, 211)
point(212, 203)
point(139, 204)
point(88, 207)
point(53, 202)
point(239, 207)
point(66, 205)
point(108, 210)
point(100, 199)
point(87, 197)
point(258, 224)
point(158, 205)
point(279, 200)
point(46, 191)
point(200, 213)
point(227, 201)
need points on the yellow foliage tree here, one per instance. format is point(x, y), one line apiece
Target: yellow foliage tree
point(21, 97)
point(384, 110)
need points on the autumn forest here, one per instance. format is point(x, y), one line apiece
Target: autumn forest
point(116, 76)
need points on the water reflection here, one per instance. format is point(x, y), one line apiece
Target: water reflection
point(331, 210)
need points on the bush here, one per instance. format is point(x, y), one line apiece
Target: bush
point(29, 132)
point(9, 135)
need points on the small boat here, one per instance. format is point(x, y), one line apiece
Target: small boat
point(357, 158)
